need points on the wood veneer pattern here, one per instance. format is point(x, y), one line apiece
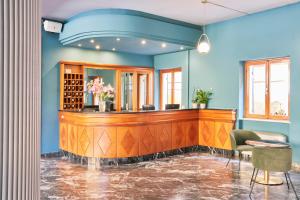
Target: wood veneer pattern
point(119, 135)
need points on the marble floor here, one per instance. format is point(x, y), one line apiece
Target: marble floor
point(189, 176)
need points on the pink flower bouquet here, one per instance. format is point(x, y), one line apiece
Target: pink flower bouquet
point(104, 93)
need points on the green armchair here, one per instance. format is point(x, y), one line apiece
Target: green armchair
point(238, 138)
point(272, 160)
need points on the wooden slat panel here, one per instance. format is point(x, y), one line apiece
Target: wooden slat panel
point(147, 140)
point(105, 142)
point(163, 137)
point(128, 141)
point(63, 139)
point(207, 133)
point(85, 141)
point(222, 135)
point(192, 131)
point(142, 133)
point(72, 139)
point(178, 135)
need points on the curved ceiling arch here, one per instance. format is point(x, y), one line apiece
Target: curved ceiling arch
point(118, 23)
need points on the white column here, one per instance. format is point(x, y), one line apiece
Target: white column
point(20, 99)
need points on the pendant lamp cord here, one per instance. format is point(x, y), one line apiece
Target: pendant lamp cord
point(204, 12)
point(226, 7)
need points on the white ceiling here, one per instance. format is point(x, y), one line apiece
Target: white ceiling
point(191, 11)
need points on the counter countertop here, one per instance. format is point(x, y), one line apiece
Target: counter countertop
point(141, 111)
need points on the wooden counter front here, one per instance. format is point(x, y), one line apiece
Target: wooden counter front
point(119, 135)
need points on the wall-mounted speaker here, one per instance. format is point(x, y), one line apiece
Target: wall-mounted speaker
point(51, 26)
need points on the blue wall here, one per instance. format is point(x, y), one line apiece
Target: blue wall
point(52, 53)
point(274, 33)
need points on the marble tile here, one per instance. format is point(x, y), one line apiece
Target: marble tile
point(182, 177)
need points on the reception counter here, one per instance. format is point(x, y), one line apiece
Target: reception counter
point(129, 134)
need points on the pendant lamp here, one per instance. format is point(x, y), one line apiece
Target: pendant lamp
point(203, 45)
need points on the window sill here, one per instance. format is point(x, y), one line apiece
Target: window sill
point(267, 120)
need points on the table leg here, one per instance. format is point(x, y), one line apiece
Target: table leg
point(267, 180)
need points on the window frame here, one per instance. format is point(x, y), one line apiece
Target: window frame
point(172, 71)
point(267, 114)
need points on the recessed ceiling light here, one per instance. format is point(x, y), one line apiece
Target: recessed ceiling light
point(92, 41)
point(97, 46)
point(114, 49)
point(79, 45)
point(118, 39)
point(143, 42)
point(181, 48)
point(163, 45)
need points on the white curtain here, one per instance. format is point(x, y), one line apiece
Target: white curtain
point(20, 99)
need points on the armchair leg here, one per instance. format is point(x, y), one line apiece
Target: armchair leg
point(288, 175)
point(239, 161)
point(252, 176)
point(287, 182)
point(253, 183)
point(228, 162)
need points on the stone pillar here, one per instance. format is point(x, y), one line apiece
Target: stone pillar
point(20, 99)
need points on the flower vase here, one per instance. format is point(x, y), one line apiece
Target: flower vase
point(194, 105)
point(102, 106)
point(202, 105)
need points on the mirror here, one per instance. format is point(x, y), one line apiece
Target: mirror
point(102, 75)
point(126, 91)
point(171, 87)
point(142, 90)
point(120, 89)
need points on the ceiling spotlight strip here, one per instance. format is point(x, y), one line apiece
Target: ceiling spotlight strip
point(222, 6)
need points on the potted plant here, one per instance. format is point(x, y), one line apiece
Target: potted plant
point(201, 98)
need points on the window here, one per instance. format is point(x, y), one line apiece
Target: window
point(267, 87)
point(170, 87)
